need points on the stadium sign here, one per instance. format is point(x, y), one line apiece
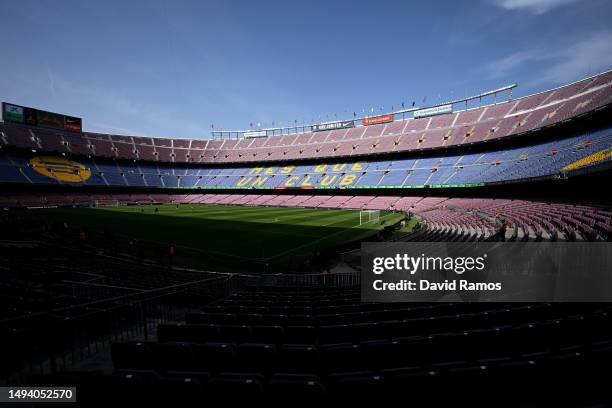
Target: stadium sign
point(436, 110)
point(375, 120)
point(333, 125)
point(60, 168)
point(261, 133)
point(34, 117)
point(12, 113)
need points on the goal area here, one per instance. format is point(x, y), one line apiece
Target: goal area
point(106, 203)
point(369, 216)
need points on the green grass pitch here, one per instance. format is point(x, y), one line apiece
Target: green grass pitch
point(221, 237)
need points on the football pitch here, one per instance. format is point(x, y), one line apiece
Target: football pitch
point(221, 237)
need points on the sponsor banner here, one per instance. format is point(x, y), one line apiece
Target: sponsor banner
point(486, 272)
point(261, 133)
point(12, 113)
point(377, 119)
point(30, 116)
point(437, 110)
point(73, 124)
point(333, 125)
point(50, 120)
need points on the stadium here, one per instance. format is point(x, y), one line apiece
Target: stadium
point(210, 269)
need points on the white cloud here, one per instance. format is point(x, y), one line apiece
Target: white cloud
point(534, 6)
point(107, 128)
point(504, 66)
point(581, 59)
point(562, 64)
point(51, 82)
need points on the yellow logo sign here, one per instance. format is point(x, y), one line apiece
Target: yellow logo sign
point(590, 159)
point(60, 168)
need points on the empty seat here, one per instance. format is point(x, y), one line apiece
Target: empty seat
point(200, 376)
point(274, 319)
point(421, 382)
point(250, 318)
point(210, 317)
point(183, 385)
point(380, 354)
point(302, 319)
point(355, 383)
point(268, 334)
point(341, 357)
point(333, 334)
point(193, 333)
point(133, 355)
point(235, 333)
point(171, 332)
point(199, 318)
point(172, 356)
point(256, 357)
point(300, 334)
point(301, 358)
point(201, 333)
point(285, 386)
point(236, 386)
point(214, 357)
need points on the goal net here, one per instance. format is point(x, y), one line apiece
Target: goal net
point(106, 203)
point(369, 216)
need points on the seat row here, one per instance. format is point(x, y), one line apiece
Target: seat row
point(369, 353)
point(532, 371)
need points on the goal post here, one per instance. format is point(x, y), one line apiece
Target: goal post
point(369, 216)
point(106, 203)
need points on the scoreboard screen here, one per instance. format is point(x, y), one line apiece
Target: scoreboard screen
point(34, 117)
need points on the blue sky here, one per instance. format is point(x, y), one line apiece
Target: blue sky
point(173, 68)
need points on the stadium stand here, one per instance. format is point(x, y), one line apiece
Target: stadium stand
point(543, 159)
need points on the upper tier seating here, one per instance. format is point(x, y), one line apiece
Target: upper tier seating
point(465, 127)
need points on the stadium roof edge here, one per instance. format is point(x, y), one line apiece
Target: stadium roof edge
point(403, 111)
point(397, 112)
